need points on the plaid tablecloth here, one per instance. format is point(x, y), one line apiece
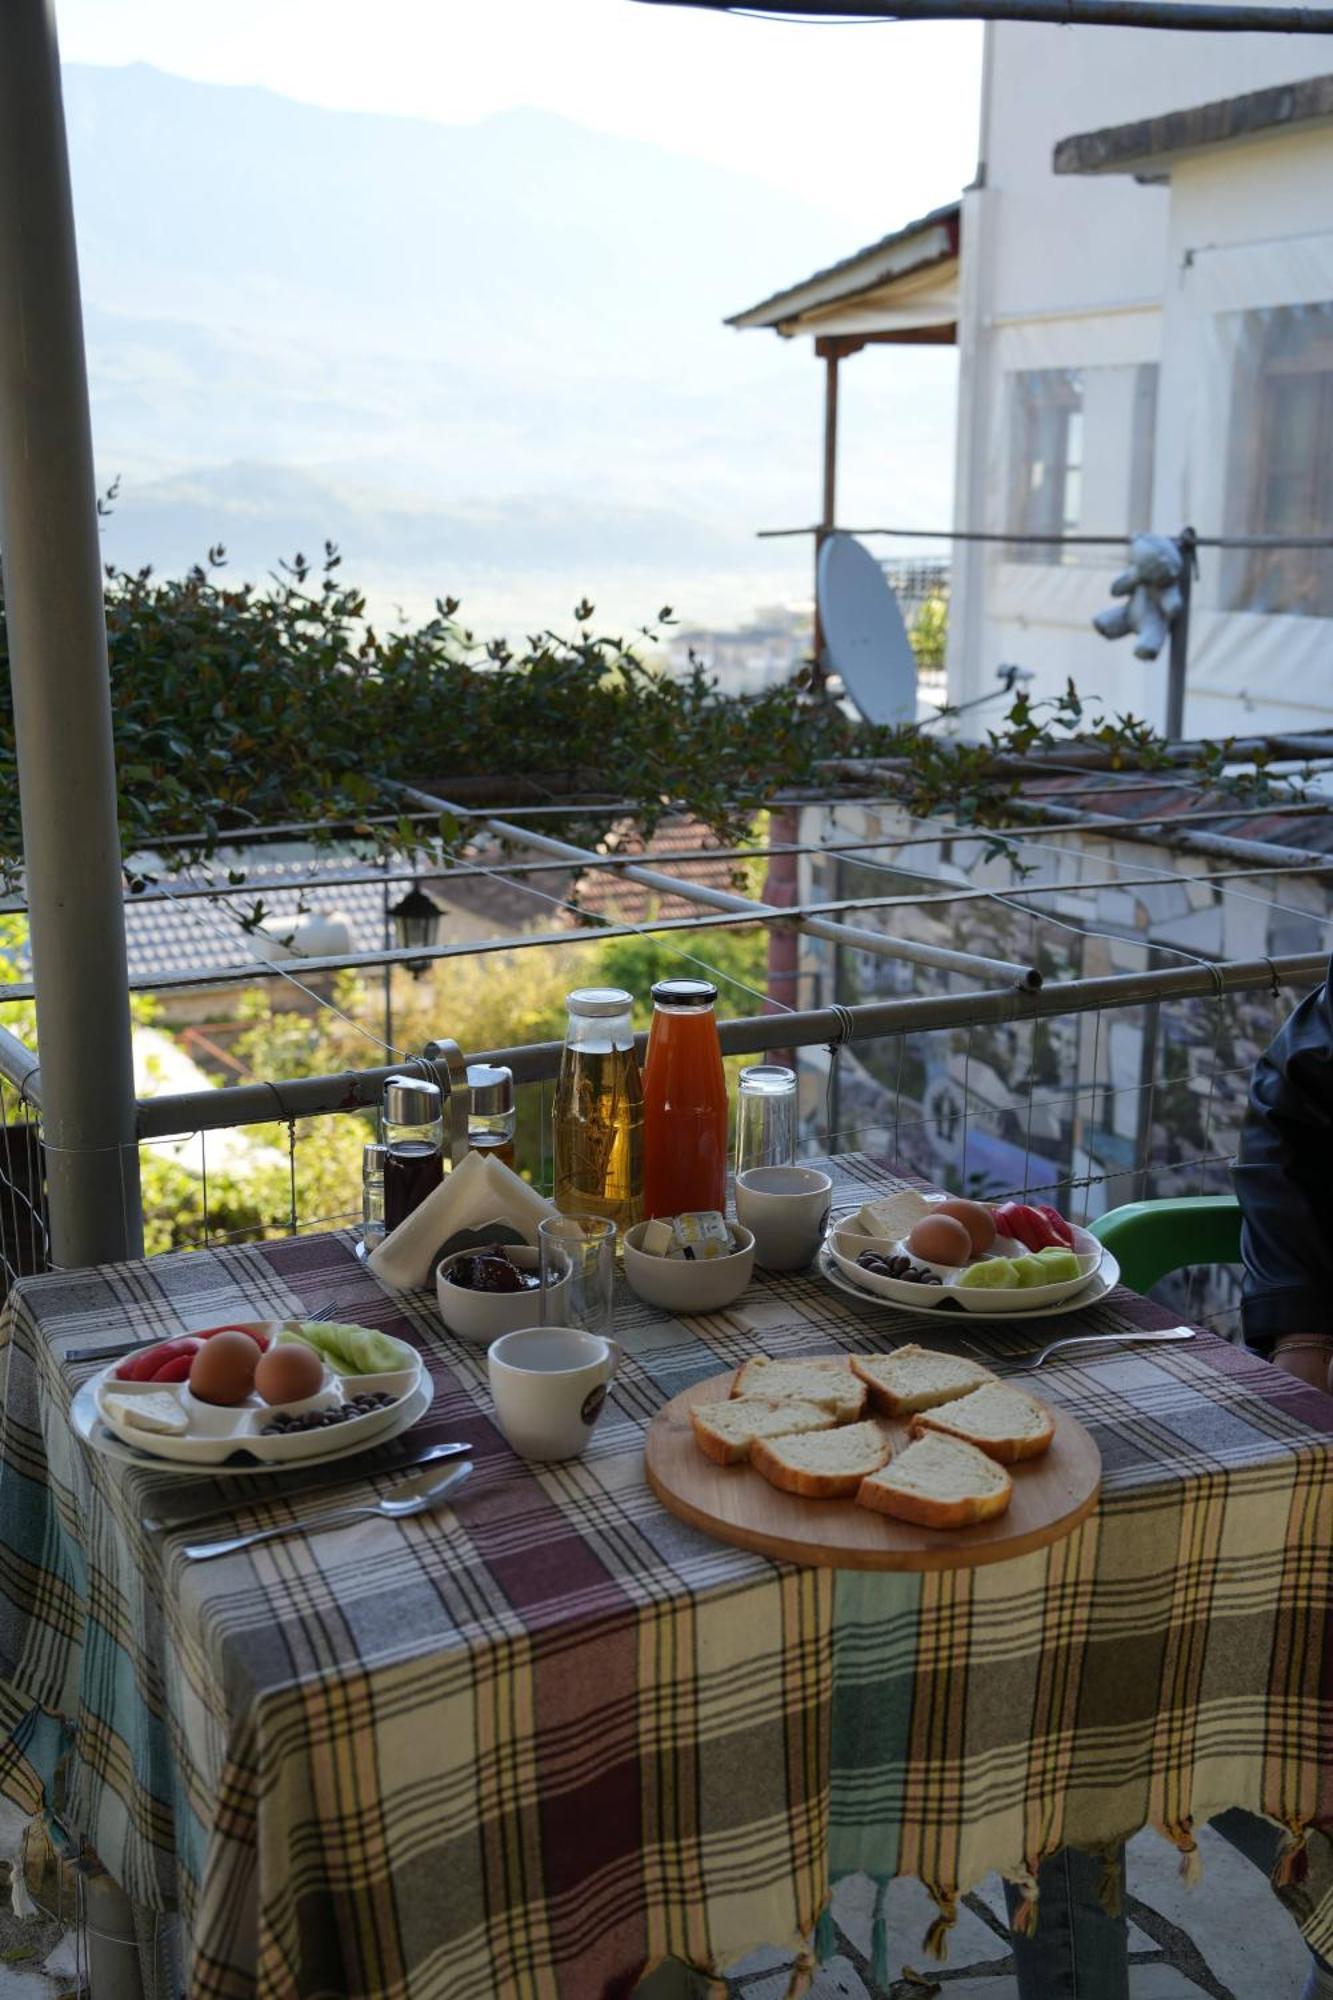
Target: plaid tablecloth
point(533, 1745)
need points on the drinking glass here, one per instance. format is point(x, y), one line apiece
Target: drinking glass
point(765, 1117)
point(578, 1264)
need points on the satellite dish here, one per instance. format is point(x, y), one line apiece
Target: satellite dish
point(864, 635)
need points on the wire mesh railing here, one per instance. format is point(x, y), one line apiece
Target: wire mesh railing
point(1087, 1108)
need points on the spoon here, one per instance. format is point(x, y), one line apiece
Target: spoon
point(413, 1496)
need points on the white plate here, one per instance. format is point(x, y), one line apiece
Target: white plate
point(91, 1431)
point(926, 1298)
point(1103, 1280)
point(217, 1433)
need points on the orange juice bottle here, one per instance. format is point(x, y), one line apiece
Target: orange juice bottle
point(684, 1102)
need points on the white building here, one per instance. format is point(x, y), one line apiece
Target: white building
point(1140, 285)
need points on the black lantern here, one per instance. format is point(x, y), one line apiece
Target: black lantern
point(416, 925)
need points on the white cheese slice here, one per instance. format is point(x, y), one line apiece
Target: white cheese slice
point(155, 1410)
point(892, 1215)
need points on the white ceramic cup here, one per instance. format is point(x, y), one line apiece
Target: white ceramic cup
point(787, 1209)
point(549, 1384)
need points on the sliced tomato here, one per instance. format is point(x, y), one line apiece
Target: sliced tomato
point(251, 1332)
point(143, 1367)
point(1054, 1220)
point(178, 1368)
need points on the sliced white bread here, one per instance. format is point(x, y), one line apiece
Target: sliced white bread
point(938, 1482)
point(821, 1465)
point(1005, 1423)
point(826, 1379)
point(917, 1378)
point(725, 1431)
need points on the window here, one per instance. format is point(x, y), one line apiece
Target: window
point(1081, 458)
point(1280, 460)
point(1046, 459)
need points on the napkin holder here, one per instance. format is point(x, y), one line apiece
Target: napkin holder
point(450, 1067)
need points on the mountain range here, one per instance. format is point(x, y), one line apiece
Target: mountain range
point(487, 359)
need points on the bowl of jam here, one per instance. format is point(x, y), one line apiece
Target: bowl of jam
point(491, 1290)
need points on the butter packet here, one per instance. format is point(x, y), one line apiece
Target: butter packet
point(700, 1237)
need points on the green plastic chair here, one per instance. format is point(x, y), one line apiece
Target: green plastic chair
point(1150, 1239)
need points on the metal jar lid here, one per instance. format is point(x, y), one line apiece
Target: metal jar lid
point(492, 1088)
point(599, 1003)
point(410, 1100)
point(684, 993)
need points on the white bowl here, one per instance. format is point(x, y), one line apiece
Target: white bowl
point(482, 1317)
point(685, 1285)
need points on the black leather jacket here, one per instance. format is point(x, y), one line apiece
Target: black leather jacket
point(1284, 1180)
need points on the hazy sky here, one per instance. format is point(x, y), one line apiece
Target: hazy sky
point(875, 122)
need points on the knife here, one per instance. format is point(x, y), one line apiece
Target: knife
point(157, 1524)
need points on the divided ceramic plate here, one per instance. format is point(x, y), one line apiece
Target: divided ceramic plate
point(216, 1433)
point(91, 1431)
point(1038, 1301)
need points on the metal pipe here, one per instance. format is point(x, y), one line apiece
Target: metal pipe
point(1178, 660)
point(538, 1062)
point(937, 890)
point(1043, 541)
point(19, 1065)
point(878, 942)
point(1203, 16)
point(58, 669)
point(1226, 847)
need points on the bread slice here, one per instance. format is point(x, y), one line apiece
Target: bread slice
point(917, 1378)
point(822, 1465)
point(938, 1482)
point(725, 1431)
point(826, 1379)
point(1004, 1423)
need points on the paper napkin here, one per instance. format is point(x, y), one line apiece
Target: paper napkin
point(481, 1201)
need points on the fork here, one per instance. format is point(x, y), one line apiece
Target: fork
point(421, 1495)
point(1021, 1364)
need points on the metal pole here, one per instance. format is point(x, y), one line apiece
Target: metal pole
point(538, 1062)
point(58, 669)
point(1210, 16)
point(879, 942)
point(829, 508)
point(1178, 659)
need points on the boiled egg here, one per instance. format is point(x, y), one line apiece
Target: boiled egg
point(976, 1218)
point(223, 1371)
point(289, 1373)
point(940, 1239)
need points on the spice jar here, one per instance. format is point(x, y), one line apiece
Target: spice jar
point(491, 1115)
point(412, 1128)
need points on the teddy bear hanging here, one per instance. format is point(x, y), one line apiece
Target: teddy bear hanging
point(1152, 596)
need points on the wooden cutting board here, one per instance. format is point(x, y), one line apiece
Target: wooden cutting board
point(1052, 1494)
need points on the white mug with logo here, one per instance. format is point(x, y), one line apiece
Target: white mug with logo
point(549, 1384)
point(787, 1208)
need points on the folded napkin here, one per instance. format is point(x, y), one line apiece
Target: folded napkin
point(481, 1201)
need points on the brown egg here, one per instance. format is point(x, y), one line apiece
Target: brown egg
point(223, 1371)
point(940, 1239)
point(976, 1218)
point(289, 1372)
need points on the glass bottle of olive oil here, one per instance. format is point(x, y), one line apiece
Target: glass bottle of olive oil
point(599, 1111)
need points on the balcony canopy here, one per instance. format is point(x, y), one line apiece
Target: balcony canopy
point(903, 288)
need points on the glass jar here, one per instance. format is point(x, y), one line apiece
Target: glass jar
point(684, 1102)
point(372, 1195)
point(491, 1115)
point(412, 1128)
point(598, 1121)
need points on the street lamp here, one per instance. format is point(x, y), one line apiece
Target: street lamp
point(416, 925)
